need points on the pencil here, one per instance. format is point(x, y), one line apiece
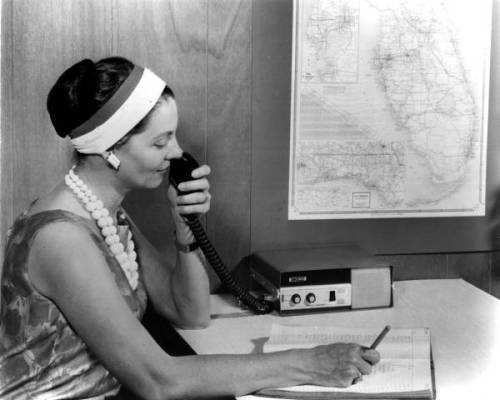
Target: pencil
point(380, 337)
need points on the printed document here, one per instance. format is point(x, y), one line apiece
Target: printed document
point(404, 369)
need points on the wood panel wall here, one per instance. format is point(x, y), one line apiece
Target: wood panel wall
point(201, 48)
point(228, 62)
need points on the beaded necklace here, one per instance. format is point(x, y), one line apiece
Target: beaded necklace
point(126, 256)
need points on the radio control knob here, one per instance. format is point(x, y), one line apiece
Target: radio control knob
point(311, 298)
point(296, 298)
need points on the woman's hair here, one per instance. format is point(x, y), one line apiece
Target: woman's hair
point(84, 88)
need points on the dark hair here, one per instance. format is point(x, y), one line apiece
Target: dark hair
point(84, 88)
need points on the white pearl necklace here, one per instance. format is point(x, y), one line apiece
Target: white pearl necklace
point(126, 257)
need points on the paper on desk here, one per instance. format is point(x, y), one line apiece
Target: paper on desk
point(405, 356)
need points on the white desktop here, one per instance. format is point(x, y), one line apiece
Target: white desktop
point(464, 323)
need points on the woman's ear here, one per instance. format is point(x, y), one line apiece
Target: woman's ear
point(111, 159)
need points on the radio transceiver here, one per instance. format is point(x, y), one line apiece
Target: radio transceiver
point(319, 278)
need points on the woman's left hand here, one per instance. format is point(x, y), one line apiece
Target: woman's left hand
point(197, 202)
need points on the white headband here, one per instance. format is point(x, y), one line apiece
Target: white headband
point(129, 104)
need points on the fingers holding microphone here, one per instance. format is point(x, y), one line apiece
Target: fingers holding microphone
point(195, 197)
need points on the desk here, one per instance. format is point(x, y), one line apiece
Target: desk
point(464, 323)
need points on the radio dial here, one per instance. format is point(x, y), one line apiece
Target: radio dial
point(296, 298)
point(311, 298)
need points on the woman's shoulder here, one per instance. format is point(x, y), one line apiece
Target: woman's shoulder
point(44, 239)
point(63, 246)
point(55, 220)
point(55, 207)
point(57, 234)
point(58, 242)
point(58, 199)
point(60, 225)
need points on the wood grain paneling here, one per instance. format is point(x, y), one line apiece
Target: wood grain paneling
point(45, 38)
point(170, 38)
point(271, 40)
point(418, 266)
point(228, 126)
point(6, 170)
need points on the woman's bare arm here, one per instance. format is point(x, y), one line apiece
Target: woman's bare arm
point(66, 266)
point(177, 284)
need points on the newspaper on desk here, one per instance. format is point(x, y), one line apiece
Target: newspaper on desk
point(403, 371)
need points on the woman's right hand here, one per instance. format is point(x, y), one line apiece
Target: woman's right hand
point(341, 364)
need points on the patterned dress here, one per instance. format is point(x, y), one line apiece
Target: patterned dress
point(41, 356)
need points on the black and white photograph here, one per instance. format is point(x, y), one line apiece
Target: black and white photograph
point(249, 199)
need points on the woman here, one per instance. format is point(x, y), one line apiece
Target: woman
point(77, 271)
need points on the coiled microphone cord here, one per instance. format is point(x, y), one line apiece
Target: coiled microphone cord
point(256, 305)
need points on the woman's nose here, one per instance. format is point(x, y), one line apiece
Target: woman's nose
point(174, 150)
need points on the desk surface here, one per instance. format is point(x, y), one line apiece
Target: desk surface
point(464, 323)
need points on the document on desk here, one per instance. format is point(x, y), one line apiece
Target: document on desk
point(404, 370)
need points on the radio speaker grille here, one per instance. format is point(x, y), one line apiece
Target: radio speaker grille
point(371, 287)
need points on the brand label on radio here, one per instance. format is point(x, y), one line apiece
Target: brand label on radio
point(295, 279)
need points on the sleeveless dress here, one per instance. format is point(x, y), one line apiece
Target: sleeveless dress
point(41, 356)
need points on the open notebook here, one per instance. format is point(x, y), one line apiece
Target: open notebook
point(404, 371)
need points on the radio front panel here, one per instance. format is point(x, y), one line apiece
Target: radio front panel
point(315, 297)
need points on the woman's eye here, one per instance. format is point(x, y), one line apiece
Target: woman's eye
point(160, 145)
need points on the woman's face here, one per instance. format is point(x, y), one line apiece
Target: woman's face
point(146, 156)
